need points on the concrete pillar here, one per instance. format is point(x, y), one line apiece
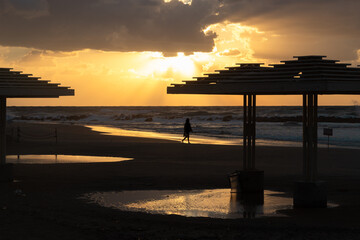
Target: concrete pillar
point(249, 133)
point(2, 130)
point(249, 205)
point(6, 170)
point(310, 192)
point(249, 180)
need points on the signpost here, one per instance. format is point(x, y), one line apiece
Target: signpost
point(328, 132)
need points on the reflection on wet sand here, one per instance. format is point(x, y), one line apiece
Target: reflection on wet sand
point(195, 139)
point(214, 203)
point(52, 159)
point(250, 205)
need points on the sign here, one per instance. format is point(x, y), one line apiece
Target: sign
point(328, 131)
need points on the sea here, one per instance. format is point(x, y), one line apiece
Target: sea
point(276, 125)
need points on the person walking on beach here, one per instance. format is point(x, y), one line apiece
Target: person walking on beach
point(187, 130)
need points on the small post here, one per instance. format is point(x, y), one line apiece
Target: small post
point(56, 136)
point(328, 132)
point(18, 135)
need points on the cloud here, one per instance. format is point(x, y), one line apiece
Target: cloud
point(295, 27)
point(26, 9)
point(287, 27)
point(122, 25)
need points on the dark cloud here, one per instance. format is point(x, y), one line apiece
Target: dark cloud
point(322, 16)
point(114, 25)
point(24, 8)
point(291, 26)
point(300, 27)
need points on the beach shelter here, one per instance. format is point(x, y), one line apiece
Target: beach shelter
point(15, 84)
point(308, 76)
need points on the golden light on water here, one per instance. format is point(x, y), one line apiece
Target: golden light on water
point(213, 203)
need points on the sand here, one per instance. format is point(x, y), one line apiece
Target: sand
point(45, 203)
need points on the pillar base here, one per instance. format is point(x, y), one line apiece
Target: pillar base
point(249, 181)
point(6, 173)
point(310, 194)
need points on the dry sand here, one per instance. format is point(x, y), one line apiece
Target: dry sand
point(44, 203)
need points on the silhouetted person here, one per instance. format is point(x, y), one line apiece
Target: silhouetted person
point(187, 130)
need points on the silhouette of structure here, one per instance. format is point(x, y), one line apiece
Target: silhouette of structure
point(308, 76)
point(14, 84)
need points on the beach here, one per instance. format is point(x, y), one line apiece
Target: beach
point(45, 201)
point(98, 97)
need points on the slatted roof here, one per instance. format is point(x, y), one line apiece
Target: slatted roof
point(305, 74)
point(15, 84)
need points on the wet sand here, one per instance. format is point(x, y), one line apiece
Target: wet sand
point(44, 201)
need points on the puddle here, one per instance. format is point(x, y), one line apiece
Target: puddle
point(46, 159)
point(214, 203)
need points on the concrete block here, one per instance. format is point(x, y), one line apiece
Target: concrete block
point(250, 181)
point(6, 173)
point(310, 194)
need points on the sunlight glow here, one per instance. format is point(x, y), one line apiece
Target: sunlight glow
point(167, 67)
point(102, 78)
point(188, 2)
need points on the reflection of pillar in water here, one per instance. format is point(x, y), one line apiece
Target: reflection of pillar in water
point(249, 204)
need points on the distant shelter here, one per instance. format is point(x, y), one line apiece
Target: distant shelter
point(308, 76)
point(15, 84)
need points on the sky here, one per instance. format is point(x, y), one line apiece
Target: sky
point(126, 52)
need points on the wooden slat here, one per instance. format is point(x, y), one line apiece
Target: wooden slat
point(17, 84)
point(29, 84)
point(305, 64)
point(316, 75)
point(282, 88)
point(36, 92)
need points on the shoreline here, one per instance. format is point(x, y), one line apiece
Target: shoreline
point(199, 139)
point(282, 135)
point(49, 200)
point(195, 138)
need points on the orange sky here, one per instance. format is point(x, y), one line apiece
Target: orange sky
point(139, 77)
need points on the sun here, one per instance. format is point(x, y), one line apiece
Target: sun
point(178, 66)
point(182, 64)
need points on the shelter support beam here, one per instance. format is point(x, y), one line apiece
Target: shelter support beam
point(2, 130)
point(6, 170)
point(248, 182)
point(310, 192)
point(310, 105)
point(249, 132)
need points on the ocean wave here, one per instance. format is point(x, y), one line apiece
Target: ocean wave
point(274, 123)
